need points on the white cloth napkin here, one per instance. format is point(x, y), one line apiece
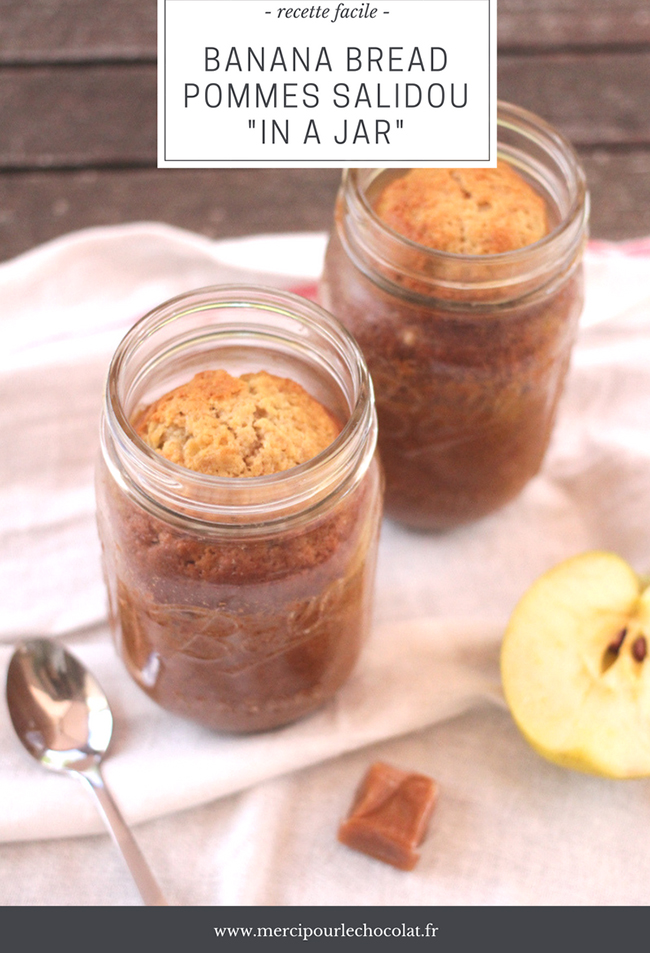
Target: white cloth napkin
point(442, 600)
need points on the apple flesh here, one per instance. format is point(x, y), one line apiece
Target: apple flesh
point(574, 666)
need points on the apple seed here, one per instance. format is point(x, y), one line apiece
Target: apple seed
point(639, 649)
point(615, 646)
point(612, 651)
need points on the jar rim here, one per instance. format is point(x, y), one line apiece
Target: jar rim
point(211, 499)
point(564, 240)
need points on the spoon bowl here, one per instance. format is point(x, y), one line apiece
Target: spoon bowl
point(64, 720)
point(57, 707)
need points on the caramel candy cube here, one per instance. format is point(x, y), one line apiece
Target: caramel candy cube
point(389, 815)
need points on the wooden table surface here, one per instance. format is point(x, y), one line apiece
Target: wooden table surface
point(78, 121)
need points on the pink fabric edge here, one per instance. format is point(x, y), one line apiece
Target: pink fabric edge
point(635, 247)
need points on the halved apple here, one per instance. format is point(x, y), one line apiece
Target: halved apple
point(574, 666)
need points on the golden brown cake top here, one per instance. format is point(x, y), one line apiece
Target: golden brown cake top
point(247, 426)
point(467, 211)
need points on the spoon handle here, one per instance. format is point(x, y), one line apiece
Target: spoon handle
point(124, 839)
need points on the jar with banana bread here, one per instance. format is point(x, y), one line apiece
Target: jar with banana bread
point(239, 503)
point(463, 288)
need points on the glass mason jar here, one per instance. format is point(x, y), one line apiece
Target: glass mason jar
point(240, 603)
point(468, 353)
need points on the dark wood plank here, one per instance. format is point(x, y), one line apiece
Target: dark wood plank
point(78, 116)
point(620, 193)
point(67, 116)
point(548, 23)
point(42, 31)
point(38, 206)
point(593, 99)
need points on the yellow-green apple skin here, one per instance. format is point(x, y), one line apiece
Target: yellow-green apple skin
point(577, 697)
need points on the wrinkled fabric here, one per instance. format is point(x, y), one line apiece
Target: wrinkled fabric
point(426, 693)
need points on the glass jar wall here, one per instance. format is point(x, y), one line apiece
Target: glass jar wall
point(240, 603)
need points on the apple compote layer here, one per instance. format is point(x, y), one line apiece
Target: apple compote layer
point(466, 397)
point(241, 634)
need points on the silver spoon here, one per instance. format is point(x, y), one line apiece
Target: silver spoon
point(63, 718)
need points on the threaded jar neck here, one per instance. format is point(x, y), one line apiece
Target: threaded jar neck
point(238, 329)
point(542, 157)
